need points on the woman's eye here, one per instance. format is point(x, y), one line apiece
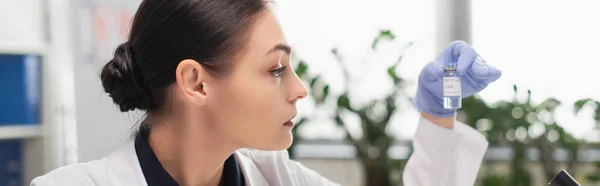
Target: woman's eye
point(278, 72)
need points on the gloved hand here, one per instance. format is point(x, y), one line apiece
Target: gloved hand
point(474, 72)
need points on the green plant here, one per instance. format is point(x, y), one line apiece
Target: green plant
point(595, 176)
point(494, 179)
point(515, 124)
point(373, 142)
point(512, 123)
point(594, 104)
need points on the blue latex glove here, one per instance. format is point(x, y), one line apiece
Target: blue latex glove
point(474, 72)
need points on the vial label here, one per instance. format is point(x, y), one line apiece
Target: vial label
point(452, 86)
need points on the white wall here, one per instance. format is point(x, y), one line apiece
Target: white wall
point(22, 24)
point(100, 125)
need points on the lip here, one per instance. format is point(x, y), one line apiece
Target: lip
point(290, 123)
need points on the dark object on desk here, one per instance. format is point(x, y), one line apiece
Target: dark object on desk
point(563, 179)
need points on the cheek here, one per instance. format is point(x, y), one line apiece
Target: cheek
point(254, 107)
point(257, 102)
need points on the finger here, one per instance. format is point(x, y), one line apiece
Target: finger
point(433, 72)
point(493, 74)
point(451, 52)
point(466, 57)
point(483, 72)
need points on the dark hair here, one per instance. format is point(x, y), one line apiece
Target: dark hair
point(165, 32)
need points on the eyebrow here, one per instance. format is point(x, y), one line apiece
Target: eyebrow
point(283, 47)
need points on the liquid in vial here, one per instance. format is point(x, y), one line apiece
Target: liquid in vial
point(452, 90)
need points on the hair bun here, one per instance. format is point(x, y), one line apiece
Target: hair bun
point(121, 82)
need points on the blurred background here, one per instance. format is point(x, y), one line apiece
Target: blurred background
point(360, 60)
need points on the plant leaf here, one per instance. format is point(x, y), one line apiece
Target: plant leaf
point(343, 102)
point(335, 51)
point(314, 81)
point(597, 114)
point(399, 59)
point(387, 34)
point(550, 104)
point(325, 91)
point(579, 104)
point(301, 69)
point(392, 73)
point(338, 120)
point(383, 35)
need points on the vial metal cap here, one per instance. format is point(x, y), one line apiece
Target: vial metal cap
point(450, 65)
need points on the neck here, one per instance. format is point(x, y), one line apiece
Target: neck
point(190, 153)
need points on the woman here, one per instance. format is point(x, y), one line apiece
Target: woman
point(214, 79)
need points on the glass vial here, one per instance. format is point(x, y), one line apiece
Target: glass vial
point(452, 90)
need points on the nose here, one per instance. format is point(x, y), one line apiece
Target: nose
point(297, 90)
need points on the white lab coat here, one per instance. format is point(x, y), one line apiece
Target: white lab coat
point(441, 157)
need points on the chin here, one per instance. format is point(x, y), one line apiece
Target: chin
point(281, 143)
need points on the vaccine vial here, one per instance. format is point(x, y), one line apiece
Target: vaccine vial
point(451, 89)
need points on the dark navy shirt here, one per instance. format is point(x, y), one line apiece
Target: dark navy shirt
point(156, 175)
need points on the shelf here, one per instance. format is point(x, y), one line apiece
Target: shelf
point(20, 131)
point(6, 48)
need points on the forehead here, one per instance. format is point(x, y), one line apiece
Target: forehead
point(264, 34)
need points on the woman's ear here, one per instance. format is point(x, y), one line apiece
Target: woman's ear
point(191, 77)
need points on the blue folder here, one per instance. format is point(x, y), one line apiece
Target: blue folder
point(20, 89)
point(11, 166)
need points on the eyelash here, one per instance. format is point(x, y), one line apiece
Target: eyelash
point(278, 72)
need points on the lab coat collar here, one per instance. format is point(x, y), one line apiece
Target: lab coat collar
point(124, 168)
point(252, 174)
point(156, 175)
